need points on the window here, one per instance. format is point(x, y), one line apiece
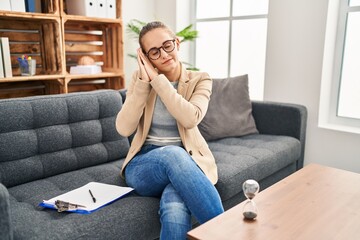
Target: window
point(340, 86)
point(232, 40)
point(349, 92)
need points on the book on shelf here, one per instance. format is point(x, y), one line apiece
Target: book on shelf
point(5, 47)
point(33, 6)
point(101, 8)
point(92, 8)
point(111, 9)
point(5, 5)
point(17, 5)
point(87, 199)
point(1, 64)
point(82, 7)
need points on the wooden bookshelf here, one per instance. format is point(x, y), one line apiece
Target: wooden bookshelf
point(57, 40)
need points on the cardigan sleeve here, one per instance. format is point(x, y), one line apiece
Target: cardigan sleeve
point(129, 116)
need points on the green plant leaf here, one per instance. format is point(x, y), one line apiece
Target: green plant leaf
point(190, 66)
point(193, 69)
point(132, 55)
point(188, 34)
point(134, 27)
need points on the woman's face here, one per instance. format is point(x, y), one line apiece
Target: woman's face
point(159, 38)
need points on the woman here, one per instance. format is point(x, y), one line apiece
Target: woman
point(168, 157)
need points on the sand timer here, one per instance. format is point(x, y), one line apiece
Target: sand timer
point(250, 189)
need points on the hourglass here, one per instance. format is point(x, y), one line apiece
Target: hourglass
point(250, 189)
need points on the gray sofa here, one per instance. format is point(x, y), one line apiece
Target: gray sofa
point(52, 144)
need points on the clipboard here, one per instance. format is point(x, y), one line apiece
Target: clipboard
point(85, 201)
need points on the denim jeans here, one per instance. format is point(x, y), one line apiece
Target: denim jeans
point(171, 174)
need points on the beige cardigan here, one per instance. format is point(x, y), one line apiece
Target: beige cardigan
point(188, 106)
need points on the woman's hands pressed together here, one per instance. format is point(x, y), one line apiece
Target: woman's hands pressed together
point(147, 71)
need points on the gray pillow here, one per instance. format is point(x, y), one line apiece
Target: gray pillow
point(230, 111)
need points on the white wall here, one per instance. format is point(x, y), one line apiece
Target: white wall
point(296, 32)
point(134, 9)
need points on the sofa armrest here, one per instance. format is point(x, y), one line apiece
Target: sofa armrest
point(123, 94)
point(5, 223)
point(282, 119)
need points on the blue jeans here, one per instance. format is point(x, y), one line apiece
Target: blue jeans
point(170, 173)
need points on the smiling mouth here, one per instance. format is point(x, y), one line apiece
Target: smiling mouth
point(167, 61)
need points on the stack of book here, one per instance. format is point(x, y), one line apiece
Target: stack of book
point(5, 59)
point(21, 5)
point(92, 8)
point(12, 5)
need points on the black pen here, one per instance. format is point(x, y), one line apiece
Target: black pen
point(92, 196)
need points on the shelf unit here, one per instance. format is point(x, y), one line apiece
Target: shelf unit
point(57, 40)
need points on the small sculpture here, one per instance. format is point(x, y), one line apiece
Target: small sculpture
point(86, 60)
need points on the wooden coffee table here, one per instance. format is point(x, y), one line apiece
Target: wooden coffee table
point(316, 202)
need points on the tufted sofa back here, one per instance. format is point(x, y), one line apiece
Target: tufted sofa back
point(44, 136)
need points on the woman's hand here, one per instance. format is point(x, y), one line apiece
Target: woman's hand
point(143, 74)
point(146, 68)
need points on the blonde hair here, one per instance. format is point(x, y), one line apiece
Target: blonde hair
point(151, 26)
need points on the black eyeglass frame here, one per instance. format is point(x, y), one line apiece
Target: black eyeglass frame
point(162, 47)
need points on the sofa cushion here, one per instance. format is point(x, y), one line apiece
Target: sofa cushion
point(230, 110)
point(49, 135)
point(114, 221)
point(254, 156)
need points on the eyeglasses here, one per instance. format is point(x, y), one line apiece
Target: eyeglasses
point(168, 46)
